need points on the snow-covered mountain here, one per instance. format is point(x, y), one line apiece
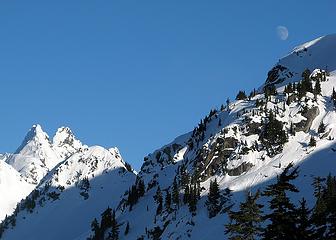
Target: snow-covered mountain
point(72, 194)
point(35, 157)
point(76, 183)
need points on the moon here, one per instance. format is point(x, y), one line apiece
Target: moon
point(282, 32)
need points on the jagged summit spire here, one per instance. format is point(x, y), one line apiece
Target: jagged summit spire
point(35, 133)
point(63, 135)
point(65, 143)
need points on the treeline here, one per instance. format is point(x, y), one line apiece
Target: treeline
point(283, 219)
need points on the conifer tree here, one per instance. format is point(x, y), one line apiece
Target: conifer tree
point(306, 74)
point(132, 197)
point(175, 194)
point(184, 176)
point(304, 224)
point(193, 200)
point(312, 142)
point(291, 129)
point(282, 215)
point(317, 89)
point(158, 199)
point(318, 184)
point(273, 136)
point(245, 224)
point(300, 90)
point(241, 95)
point(115, 227)
point(319, 218)
point(213, 202)
point(306, 84)
point(330, 197)
point(141, 188)
point(186, 196)
point(324, 212)
point(168, 201)
point(321, 128)
point(289, 88)
point(270, 90)
point(333, 96)
point(95, 229)
point(106, 221)
point(288, 102)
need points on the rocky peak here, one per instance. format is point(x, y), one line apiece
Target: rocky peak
point(35, 135)
point(66, 144)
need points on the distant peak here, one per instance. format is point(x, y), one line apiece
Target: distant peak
point(64, 130)
point(35, 133)
point(63, 136)
point(36, 128)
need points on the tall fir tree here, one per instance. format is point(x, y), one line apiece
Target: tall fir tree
point(193, 200)
point(186, 196)
point(106, 221)
point(330, 197)
point(175, 194)
point(246, 224)
point(158, 199)
point(168, 201)
point(241, 95)
point(333, 97)
point(213, 202)
point(141, 188)
point(282, 211)
point(321, 128)
point(114, 235)
point(305, 229)
point(312, 142)
point(95, 229)
point(273, 136)
point(317, 89)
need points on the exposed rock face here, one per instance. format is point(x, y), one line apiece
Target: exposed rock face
point(310, 115)
point(253, 128)
point(278, 74)
point(244, 167)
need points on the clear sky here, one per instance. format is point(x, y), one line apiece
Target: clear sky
point(136, 74)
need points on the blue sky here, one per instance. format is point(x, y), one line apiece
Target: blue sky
point(136, 74)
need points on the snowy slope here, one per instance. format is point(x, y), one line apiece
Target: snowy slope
point(72, 195)
point(13, 188)
point(316, 54)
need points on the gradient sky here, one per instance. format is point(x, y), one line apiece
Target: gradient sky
point(136, 74)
